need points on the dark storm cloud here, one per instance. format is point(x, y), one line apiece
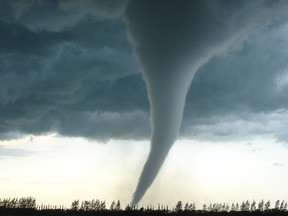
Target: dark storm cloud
point(57, 15)
point(104, 125)
point(107, 110)
point(248, 78)
point(63, 64)
point(45, 76)
point(249, 84)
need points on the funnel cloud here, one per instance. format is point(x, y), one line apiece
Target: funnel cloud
point(172, 40)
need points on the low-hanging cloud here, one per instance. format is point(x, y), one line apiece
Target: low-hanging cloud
point(46, 73)
point(89, 67)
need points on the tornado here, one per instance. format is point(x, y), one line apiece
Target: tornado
point(172, 39)
point(167, 104)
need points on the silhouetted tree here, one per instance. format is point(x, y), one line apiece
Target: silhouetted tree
point(261, 205)
point(210, 207)
point(23, 203)
point(27, 202)
point(216, 207)
point(118, 206)
point(5, 203)
point(97, 205)
point(178, 207)
point(226, 207)
point(277, 205)
point(283, 206)
point(186, 207)
point(245, 206)
point(237, 207)
point(85, 205)
point(13, 203)
point(267, 206)
point(204, 207)
point(128, 208)
point(253, 206)
point(94, 205)
point(233, 207)
point(75, 205)
point(112, 206)
point(102, 206)
point(190, 207)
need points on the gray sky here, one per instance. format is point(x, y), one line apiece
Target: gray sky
point(56, 68)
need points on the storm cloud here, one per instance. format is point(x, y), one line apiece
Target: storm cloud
point(59, 71)
point(49, 75)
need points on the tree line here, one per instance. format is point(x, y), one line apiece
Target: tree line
point(28, 206)
point(24, 202)
point(100, 205)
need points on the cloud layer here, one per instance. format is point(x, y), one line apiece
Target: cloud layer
point(58, 74)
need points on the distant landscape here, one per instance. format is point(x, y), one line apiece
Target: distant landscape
point(28, 206)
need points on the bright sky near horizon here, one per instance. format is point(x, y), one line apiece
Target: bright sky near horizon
point(79, 80)
point(56, 170)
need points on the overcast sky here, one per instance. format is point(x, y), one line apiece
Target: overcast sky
point(73, 103)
